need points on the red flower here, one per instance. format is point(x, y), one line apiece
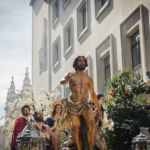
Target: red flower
point(112, 91)
point(114, 135)
point(111, 99)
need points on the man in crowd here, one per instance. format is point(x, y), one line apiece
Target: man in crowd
point(20, 123)
point(50, 137)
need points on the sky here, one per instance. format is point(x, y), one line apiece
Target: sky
point(15, 45)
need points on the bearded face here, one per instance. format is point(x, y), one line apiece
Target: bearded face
point(81, 68)
point(26, 112)
point(81, 64)
point(39, 117)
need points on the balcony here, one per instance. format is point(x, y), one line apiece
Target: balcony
point(138, 69)
point(104, 91)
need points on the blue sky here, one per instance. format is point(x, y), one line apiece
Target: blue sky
point(15, 45)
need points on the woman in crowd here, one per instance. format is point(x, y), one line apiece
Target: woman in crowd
point(53, 123)
point(99, 142)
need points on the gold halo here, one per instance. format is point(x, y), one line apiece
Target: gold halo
point(55, 103)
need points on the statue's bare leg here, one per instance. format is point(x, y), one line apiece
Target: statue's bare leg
point(89, 117)
point(77, 130)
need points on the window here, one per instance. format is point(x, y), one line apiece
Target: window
point(55, 8)
point(135, 48)
point(100, 5)
point(103, 2)
point(82, 18)
point(68, 37)
point(107, 67)
point(56, 52)
point(65, 3)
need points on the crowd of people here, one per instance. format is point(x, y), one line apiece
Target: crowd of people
point(56, 135)
point(84, 119)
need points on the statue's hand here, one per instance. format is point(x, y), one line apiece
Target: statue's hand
point(68, 76)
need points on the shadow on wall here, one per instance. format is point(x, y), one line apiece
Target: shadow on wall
point(145, 13)
point(106, 12)
point(115, 55)
point(88, 32)
point(91, 68)
point(43, 51)
point(37, 6)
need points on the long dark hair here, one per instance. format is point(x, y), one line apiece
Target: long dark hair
point(76, 61)
point(54, 111)
point(102, 108)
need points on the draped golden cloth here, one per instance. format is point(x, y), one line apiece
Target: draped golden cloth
point(72, 107)
point(75, 107)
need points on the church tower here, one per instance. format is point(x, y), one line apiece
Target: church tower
point(11, 96)
point(26, 82)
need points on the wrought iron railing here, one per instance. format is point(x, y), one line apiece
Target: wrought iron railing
point(138, 69)
point(104, 91)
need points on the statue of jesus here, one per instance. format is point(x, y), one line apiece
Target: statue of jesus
point(78, 105)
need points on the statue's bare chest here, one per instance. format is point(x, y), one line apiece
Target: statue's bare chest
point(80, 80)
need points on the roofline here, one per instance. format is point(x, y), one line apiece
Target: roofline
point(31, 2)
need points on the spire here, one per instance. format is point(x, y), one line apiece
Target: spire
point(12, 86)
point(26, 81)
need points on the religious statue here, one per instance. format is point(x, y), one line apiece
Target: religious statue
point(77, 109)
point(53, 123)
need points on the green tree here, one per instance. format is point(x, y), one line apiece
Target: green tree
point(126, 108)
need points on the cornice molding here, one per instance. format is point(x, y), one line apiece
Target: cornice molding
point(31, 2)
point(47, 1)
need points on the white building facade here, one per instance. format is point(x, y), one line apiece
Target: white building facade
point(111, 34)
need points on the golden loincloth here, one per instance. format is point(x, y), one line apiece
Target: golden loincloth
point(72, 107)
